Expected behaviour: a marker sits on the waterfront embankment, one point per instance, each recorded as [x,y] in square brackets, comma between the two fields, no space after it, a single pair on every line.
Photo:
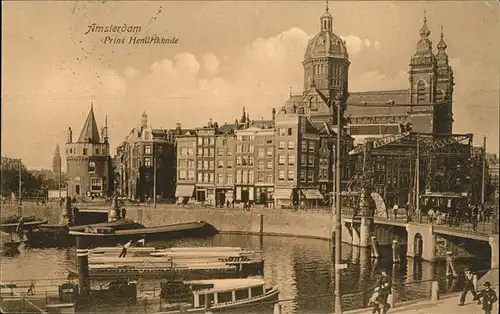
[304,223]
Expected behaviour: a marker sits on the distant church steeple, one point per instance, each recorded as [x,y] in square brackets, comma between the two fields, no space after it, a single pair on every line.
[56,161]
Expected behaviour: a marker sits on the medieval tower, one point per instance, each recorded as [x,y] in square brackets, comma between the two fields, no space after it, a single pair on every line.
[56,161]
[88,161]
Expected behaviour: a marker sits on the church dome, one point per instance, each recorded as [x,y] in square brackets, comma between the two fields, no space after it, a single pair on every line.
[326,44]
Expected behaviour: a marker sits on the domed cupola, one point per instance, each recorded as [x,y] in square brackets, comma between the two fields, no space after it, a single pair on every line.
[424,45]
[441,56]
[326,60]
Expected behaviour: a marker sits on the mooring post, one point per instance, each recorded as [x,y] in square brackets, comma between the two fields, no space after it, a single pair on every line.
[113,212]
[277,308]
[82,255]
[435,291]
[375,248]
[261,228]
[450,265]
[395,252]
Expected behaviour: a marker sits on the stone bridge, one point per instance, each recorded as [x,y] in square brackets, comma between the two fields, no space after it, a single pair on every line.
[429,240]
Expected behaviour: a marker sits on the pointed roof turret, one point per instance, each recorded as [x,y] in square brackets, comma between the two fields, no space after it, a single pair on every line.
[90,131]
[424,30]
[57,152]
[442,45]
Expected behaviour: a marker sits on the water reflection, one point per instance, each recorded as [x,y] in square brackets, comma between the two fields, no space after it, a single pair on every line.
[303,270]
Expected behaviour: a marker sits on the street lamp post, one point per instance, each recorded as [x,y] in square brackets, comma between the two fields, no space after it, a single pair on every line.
[154,176]
[338,211]
[483,178]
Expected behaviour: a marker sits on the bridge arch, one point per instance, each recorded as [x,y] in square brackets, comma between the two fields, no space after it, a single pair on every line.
[380,209]
[421,242]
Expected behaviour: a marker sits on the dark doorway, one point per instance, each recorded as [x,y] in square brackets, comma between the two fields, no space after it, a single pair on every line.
[77,189]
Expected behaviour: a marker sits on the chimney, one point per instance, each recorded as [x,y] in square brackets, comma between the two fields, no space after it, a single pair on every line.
[210,124]
[273,112]
[70,135]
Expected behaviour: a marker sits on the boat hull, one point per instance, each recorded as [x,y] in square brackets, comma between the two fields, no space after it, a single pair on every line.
[198,229]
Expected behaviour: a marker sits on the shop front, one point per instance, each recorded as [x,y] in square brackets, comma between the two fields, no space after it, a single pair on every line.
[283,197]
[311,197]
[245,195]
[205,194]
[224,197]
[264,195]
[184,193]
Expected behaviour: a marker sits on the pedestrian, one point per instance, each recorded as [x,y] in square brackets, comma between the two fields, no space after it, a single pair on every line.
[489,297]
[468,286]
[395,210]
[430,215]
[374,301]
[385,287]
[227,203]
[124,249]
[142,241]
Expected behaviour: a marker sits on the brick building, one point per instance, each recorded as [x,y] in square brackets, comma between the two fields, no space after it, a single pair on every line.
[135,158]
[89,165]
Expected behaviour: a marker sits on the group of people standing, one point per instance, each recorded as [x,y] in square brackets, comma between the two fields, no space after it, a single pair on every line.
[486,297]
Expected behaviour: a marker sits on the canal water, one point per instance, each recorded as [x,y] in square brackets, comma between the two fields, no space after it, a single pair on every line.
[303,269]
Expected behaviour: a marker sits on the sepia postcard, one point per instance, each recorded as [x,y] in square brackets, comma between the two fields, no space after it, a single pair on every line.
[250,157]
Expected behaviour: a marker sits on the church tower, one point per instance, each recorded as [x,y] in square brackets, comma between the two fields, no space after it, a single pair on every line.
[422,69]
[444,90]
[88,161]
[326,61]
[56,161]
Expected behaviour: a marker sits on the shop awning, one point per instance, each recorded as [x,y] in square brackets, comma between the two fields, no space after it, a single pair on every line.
[184,191]
[281,194]
[312,194]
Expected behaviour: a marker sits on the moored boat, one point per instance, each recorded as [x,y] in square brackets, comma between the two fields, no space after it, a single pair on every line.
[224,295]
[98,236]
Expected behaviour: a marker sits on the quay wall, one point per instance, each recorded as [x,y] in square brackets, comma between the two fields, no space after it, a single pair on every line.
[309,224]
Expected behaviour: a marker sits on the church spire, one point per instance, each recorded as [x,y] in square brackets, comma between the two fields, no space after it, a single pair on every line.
[424,30]
[442,45]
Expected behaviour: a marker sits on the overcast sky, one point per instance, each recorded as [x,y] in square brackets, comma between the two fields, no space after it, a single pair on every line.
[229,55]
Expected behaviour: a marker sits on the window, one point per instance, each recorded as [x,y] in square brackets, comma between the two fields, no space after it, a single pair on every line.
[200,151]
[211,164]
[238,148]
[281,175]
[311,160]
[420,91]
[220,164]
[244,160]
[245,176]
[281,159]
[182,163]
[190,174]
[251,148]
[250,161]
[229,179]
[261,177]
[85,151]
[269,165]
[269,178]
[261,165]
[211,177]
[211,152]
[291,160]
[205,152]
[205,177]
[200,164]
[223,297]
[250,177]
[183,151]
[245,148]
[310,175]
[190,163]
[229,164]
[302,176]
[304,145]
[303,160]
[238,176]
[261,153]
[147,149]
[269,152]
[281,132]
[212,140]
[290,131]
[281,145]
[97,151]
[190,151]
[146,135]
[220,151]
[147,161]
[291,145]
[200,140]
[205,141]
[182,174]
[311,146]
[91,166]
[159,148]
[96,184]
[291,175]
[229,152]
